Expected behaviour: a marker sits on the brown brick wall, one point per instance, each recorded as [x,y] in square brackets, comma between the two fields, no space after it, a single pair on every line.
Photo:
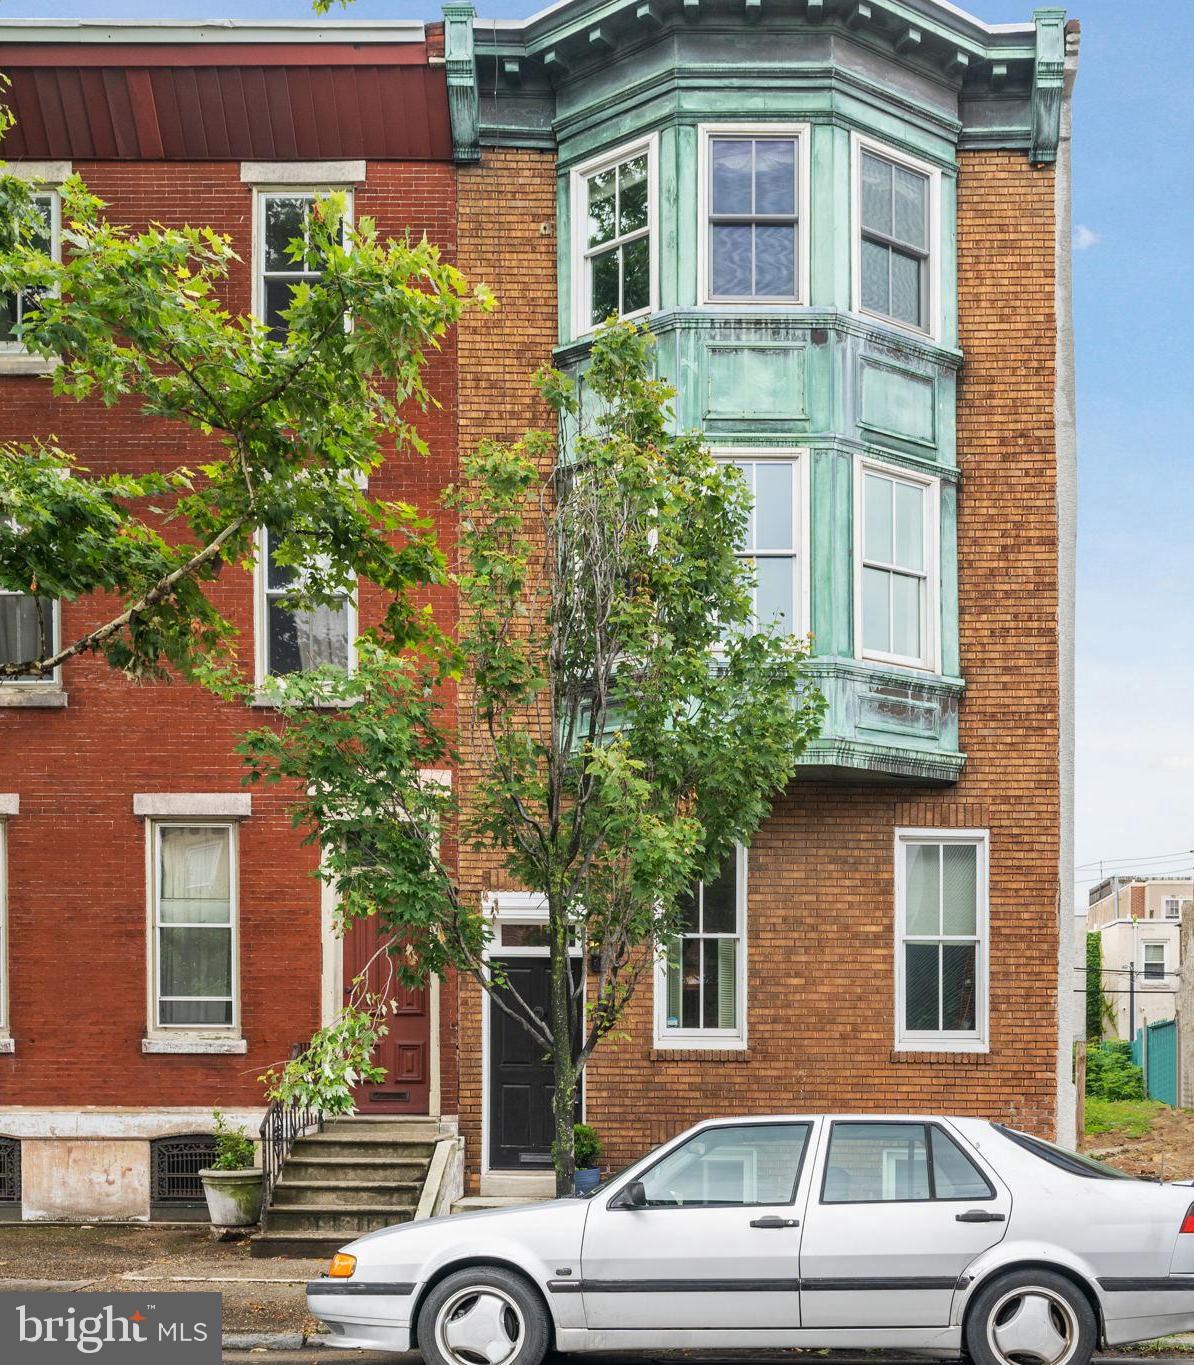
[821,901]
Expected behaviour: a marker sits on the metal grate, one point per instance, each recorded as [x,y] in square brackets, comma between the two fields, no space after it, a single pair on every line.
[175,1162]
[10,1178]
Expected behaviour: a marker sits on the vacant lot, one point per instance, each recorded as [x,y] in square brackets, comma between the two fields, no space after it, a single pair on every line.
[1141,1137]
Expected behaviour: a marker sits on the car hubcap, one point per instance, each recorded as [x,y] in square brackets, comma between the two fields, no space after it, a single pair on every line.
[481,1326]
[1033,1326]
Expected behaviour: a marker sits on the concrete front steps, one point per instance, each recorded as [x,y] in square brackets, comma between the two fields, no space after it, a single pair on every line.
[356,1175]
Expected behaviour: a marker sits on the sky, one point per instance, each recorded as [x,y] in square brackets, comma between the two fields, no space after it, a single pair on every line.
[1134,323]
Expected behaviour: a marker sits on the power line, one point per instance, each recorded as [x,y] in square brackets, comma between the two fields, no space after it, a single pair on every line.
[1120,862]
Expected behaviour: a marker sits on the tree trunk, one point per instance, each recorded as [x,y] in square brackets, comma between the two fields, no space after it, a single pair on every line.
[563,1062]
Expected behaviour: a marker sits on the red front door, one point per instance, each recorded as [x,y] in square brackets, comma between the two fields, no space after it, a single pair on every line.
[405,1051]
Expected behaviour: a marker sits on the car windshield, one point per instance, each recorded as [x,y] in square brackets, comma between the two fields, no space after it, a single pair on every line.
[1073,1162]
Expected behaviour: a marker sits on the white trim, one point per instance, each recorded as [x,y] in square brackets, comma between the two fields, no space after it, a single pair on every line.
[802,134]
[937,1041]
[197,805]
[800,457]
[581,295]
[15,350]
[195,1046]
[52,681]
[728,1040]
[858,144]
[930,660]
[48,173]
[294,190]
[192,1032]
[336,174]
[4,1019]
[211,31]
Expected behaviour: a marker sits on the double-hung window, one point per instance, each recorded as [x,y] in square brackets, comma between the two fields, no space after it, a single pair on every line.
[16,307]
[752,196]
[194,914]
[941,939]
[896,553]
[700,1000]
[28,631]
[1173,907]
[4,1019]
[297,639]
[283,217]
[773,536]
[1154,962]
[895,213]
[614,212]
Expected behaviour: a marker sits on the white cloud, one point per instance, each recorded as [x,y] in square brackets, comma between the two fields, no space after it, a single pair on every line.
[1085,238]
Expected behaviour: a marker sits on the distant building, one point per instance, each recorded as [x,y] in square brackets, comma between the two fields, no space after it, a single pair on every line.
[1140,919]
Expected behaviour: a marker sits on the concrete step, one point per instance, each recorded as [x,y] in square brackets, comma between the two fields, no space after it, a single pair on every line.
[337,1218]
[333,1169]
[321,1245]
[346,1193]
[353,1148]
[398,1129]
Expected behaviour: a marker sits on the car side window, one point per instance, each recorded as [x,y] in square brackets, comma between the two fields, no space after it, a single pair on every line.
[756,1163]
[880,1163]
[955,1176]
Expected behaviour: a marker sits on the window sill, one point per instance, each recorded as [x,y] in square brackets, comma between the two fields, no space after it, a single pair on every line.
[973,1054]
[46,695]
[8,1045]
[18,362]
[274,701]
[688,1052]
[208,1047]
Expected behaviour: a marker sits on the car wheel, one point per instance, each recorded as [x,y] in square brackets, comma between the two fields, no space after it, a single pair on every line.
[483,1315]
[1031,1317]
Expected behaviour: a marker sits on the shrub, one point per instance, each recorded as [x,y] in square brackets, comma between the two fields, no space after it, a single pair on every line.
[235,1149]
[1111,1074]
[587,1146]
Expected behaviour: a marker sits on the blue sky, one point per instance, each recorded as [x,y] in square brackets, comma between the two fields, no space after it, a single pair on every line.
[1134,306]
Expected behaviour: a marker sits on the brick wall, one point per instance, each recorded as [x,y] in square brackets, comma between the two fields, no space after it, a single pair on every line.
[76,854]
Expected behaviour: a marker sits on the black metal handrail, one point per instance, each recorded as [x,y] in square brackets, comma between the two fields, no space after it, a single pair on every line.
[283,1123]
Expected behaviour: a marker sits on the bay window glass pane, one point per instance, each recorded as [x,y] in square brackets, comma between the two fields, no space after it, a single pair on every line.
[775,260]
[905,616]
[721,900]
[636,275]
[876,194]
[959,887]
[604,285]
[603,189]
[775,176]
[876,610]
[690,1008]
[922,889]
[906,288]
[193,874]
[731,267]
[909,526]
[922,986]
[195,961]
[911,198]
[731,175]
[876,285]
[775,595]
[876,512]
[26,628]
[632,195]
[958,1012]
[773,506]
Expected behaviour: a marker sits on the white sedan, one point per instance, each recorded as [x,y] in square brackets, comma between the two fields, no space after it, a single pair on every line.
[903,1232]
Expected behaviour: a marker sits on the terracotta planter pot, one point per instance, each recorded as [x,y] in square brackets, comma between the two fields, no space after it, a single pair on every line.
[233,1197]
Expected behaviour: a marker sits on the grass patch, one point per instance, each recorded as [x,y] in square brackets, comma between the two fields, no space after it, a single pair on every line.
[1132,1118]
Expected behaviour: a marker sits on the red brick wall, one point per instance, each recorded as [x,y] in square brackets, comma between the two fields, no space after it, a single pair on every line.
[76,854]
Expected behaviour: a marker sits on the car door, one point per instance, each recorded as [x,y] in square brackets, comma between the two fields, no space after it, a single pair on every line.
[716,1242]
[898,1210]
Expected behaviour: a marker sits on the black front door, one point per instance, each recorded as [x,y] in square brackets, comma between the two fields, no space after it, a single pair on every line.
[521,1084]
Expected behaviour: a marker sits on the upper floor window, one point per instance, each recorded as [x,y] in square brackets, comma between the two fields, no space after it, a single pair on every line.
[704,969]
[752,195]
[941,939]
[1173,907]
[773,539]
[895,212]
[297,639]
[283,217]
[1154,961]
[15,308]
[896,555]
[28,630]
[614,213]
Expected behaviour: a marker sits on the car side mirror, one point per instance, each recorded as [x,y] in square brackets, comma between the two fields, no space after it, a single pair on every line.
[632,1196]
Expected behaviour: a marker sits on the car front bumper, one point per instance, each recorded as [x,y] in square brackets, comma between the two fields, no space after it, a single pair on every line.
[363,1315]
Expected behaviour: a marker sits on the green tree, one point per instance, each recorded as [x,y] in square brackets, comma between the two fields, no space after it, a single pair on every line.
[628,719]
[289,427]
[1095,999]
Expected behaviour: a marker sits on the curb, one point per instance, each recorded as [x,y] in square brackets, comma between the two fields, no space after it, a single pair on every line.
[267,1341]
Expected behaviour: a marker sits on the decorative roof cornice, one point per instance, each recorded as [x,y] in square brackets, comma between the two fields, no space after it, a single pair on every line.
[461,66]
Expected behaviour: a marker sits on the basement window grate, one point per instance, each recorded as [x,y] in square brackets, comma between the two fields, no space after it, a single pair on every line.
[176,1191]
[10,1178]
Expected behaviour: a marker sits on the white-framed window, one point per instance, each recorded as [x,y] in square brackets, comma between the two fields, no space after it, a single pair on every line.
[15,307]
[1173,907]
[193,883]
[613,236]
[942,937]
[776,539]
[29,629]
[1154,962]
[280,216]
[700,988]
[897,215]
[754,213]
[297,639]
[896,518]
[4,1006]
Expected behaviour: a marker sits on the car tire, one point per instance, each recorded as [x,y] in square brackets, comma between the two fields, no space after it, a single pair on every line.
[1031,1317]
[483,1315]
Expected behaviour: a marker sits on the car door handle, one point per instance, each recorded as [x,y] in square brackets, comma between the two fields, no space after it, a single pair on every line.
[772,1220]
[981,1216]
